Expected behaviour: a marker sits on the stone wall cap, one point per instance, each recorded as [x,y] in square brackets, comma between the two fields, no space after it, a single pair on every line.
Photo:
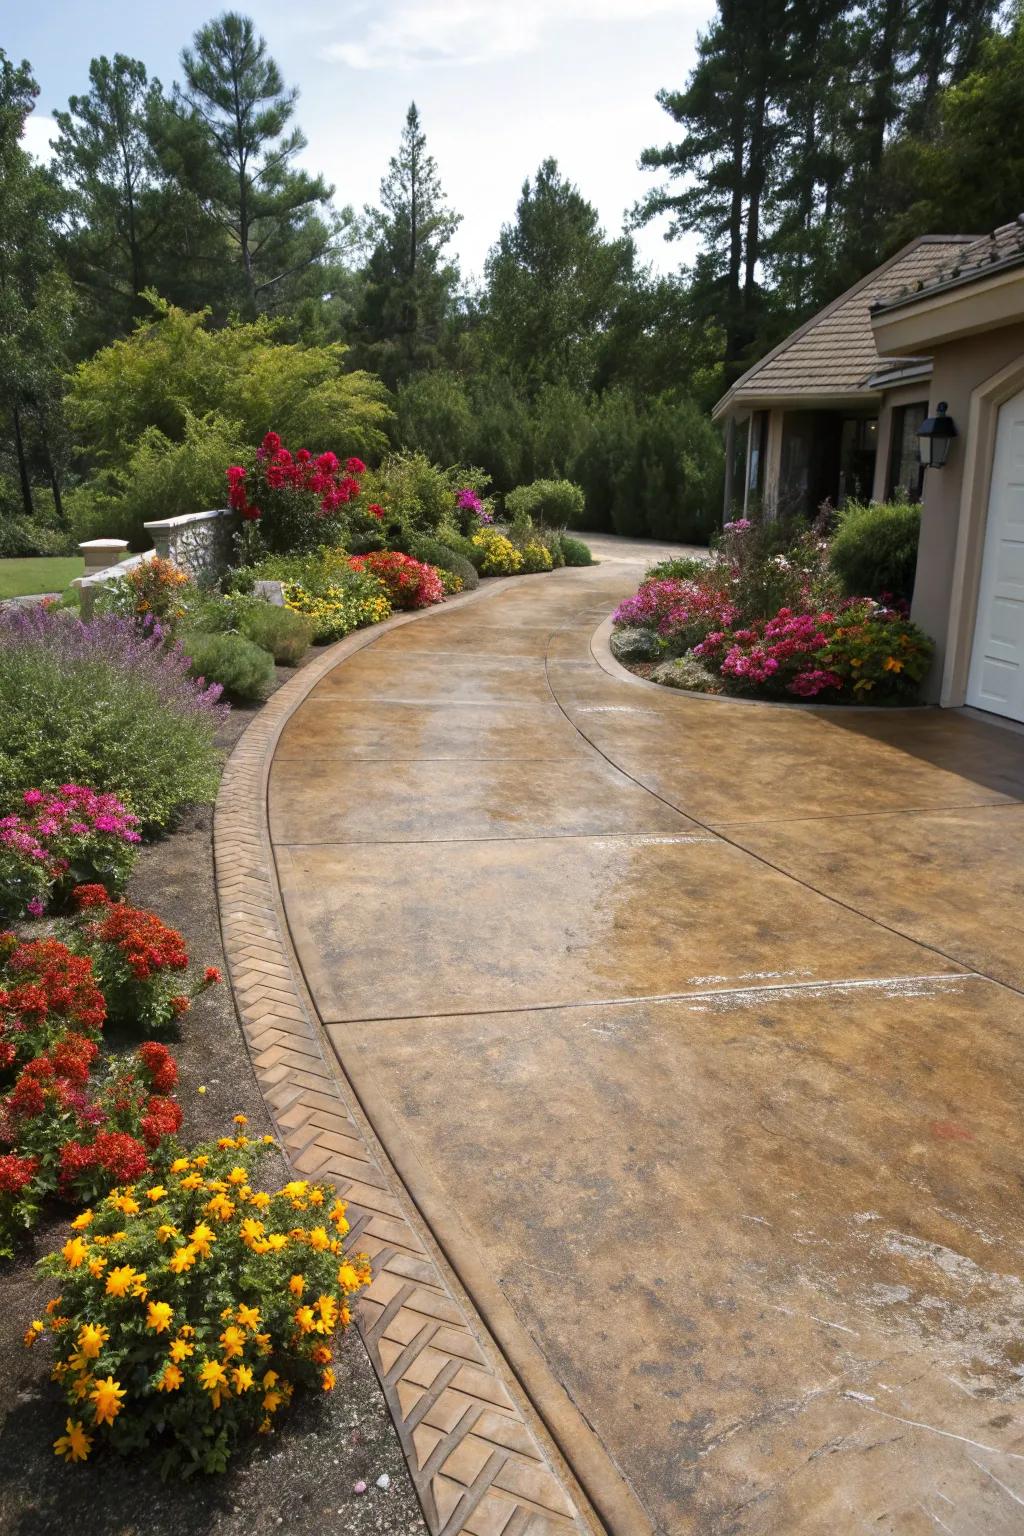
[103,544]
[189,517]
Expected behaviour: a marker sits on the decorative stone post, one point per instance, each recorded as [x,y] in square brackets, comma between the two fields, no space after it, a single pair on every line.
[99,553]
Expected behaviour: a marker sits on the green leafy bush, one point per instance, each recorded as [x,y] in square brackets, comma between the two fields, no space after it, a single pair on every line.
[285,634]
[433,552]
[575,552]
[682,568]
[557,502]
[244,670]
[22,539]
[874,549]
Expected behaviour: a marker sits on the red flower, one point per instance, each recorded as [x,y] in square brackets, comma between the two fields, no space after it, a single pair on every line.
[16,1173]
[124,1158]
[271,443]
[73,1056]
[180,1004]
[375,509]
[75,1160]
[355,466]
[162,1118]
[90,896]
[159,1065]
[211,975]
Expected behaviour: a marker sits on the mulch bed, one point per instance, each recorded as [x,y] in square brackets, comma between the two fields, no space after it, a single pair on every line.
[299,1480]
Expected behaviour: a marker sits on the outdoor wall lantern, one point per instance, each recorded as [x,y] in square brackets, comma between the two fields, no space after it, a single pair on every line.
[935,436]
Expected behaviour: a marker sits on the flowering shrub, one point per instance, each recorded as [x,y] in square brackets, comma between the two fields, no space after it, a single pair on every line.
[152,589]
[536,556]
[74,1130]
[104,703]
[877,653]
[295,498]
[46,992]
[62,838]
[682,612]
[500,556]
[339,607]
[139,963]
[408,583]
[472,507]
[189,1311]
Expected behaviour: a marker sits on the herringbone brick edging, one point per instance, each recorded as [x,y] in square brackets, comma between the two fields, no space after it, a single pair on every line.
[475,1458]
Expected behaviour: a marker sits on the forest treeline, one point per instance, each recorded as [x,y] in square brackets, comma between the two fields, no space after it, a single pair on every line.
[811,139]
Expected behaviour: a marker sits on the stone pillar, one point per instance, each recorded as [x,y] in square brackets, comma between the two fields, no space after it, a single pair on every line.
[99,553]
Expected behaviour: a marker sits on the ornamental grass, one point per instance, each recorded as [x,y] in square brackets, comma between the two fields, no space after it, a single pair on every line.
[190,1309]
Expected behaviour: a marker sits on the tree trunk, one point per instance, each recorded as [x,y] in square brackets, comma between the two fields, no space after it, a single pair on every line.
[26,484]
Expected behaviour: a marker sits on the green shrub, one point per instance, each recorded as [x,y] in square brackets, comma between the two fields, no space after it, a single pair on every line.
[575,552]
[684,568]
[244,670]
[22,539]
[874,549]
[286,635]
[431,551]
[557,502]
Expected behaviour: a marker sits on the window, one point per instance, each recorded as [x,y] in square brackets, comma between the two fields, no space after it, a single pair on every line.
[906,472]
[858,444]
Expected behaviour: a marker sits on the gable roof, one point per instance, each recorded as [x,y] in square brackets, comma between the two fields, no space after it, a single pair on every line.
[833,355]
[996,252]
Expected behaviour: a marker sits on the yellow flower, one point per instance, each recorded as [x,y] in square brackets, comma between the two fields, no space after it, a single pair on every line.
[221,1207]
[202,1237]
[53,1304]
[226,1143]
[348,1276]
[201,1161]
[327,1380]
[242,1378]
[158,1316]
[180,1165]
[328,1309]
[126,1204]
[319,1240]
[75,1252]
[233,1340]
[192,1181]
[251,1230]
[305,1319]
[106,1396]
[276,1241]
[121,1280]
[75,1444]
[91,1339]
[249,1317]
[241,1119]
[96,1267]
[296,1190]
[171,1379]
[322,1355]
[156,1193]
[181,1259]
[165,1231]
[214,1380]
[33,1331]
[892,665]
[237,1176]
[180,1350]
[81,1386]
[316,1195]
[81,1222]
[265,1427]
[262,1342]
[260,1199]
[272,1401]
[201,1088]
[268,1141]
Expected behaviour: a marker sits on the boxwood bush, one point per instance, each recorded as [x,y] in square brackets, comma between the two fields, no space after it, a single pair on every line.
[244,670]
[434,552]
[286,635]
[575,552]
[874,549]
[558,503]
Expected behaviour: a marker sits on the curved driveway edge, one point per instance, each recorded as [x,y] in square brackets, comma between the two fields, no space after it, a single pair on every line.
[478,1457]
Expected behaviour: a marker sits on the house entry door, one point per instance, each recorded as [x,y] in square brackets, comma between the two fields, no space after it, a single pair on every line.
[996,678]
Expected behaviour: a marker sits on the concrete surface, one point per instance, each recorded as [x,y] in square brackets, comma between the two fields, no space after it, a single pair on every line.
[704,1020]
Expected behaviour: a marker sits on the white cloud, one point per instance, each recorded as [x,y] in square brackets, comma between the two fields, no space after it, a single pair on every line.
[412,34]
[36,136]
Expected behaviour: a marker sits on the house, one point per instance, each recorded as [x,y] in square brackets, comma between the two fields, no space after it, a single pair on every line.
[966,318]
[821,417]
[834,412]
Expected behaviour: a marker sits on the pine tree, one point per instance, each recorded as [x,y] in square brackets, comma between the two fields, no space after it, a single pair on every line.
[231,144]
[554,282]
[410,282]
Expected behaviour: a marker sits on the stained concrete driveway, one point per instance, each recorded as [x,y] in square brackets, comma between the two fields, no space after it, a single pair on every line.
[703,1022]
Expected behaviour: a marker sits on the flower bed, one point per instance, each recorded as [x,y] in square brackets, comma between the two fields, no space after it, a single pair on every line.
[769,623]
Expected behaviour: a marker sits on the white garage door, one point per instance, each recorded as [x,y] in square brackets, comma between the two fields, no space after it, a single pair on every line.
[996,679]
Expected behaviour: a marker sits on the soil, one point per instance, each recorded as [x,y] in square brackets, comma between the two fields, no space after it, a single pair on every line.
[301,1479]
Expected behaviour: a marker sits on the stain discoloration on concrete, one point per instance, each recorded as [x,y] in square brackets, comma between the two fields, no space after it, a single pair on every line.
[728,1110]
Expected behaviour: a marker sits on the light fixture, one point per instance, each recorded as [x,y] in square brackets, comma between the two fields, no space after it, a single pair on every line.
[935,436]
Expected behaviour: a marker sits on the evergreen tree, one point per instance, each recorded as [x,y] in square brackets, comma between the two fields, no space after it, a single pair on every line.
[35,299]
[554,282]
[232,146]
[410,282]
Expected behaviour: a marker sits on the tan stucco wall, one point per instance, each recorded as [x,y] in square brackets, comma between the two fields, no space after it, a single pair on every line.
[959,369]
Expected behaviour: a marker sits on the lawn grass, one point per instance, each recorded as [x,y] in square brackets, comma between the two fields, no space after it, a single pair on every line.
[23,578]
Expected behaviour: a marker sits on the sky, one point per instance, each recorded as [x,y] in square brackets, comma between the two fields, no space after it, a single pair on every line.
[500,85]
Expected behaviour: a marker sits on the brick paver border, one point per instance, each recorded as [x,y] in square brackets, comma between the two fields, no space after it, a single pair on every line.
[480,1459]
